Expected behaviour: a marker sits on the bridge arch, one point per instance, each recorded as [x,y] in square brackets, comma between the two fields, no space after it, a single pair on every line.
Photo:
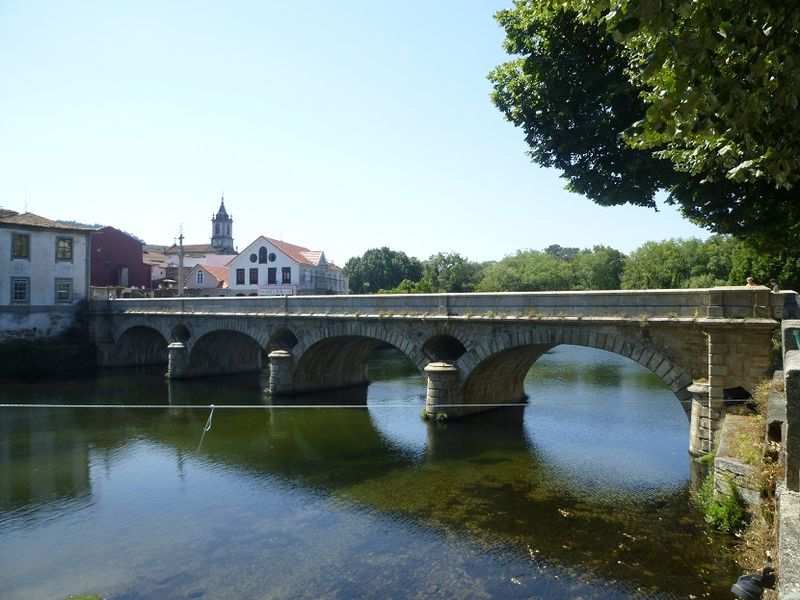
[336,355]
[139,345]
[161,327]
[495,370]
[283,338]
[356,329]
[224,351]
[444,347]
[202,327]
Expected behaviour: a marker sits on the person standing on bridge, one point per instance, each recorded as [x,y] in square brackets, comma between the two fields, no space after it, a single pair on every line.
[751,283]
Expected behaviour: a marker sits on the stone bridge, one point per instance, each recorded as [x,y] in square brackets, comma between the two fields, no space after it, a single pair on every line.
[474,349]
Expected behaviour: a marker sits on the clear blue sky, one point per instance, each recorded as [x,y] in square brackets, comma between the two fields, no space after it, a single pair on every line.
[340,126]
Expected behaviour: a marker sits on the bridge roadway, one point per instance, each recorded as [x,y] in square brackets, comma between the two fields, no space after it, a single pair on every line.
[474,349]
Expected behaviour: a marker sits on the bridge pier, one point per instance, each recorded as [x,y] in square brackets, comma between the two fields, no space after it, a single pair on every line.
[443,389]
[178,360]
[281,372]
[704,420]
[737,359]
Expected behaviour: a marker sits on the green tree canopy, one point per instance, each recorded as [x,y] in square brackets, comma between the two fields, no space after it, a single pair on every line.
[721,79]
[598,269]
[680,263]
[583,87]
[527,271]
[449,272]
[720,260]
[380,269]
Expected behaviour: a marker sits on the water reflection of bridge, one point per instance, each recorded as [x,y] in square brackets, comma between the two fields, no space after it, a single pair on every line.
[474,478]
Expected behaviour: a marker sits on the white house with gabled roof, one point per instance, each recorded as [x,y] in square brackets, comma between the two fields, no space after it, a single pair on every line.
[208,280]
[273,267]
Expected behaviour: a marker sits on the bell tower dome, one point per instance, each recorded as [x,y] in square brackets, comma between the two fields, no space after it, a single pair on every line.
[222,230]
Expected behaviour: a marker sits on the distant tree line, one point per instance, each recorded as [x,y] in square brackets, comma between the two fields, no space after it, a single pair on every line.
[674,263]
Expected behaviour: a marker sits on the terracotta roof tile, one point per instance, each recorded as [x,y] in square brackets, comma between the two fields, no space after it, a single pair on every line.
[219,273]
[32,220]
[298,254]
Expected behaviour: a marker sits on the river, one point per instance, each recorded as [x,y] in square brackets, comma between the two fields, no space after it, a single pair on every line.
[119,484]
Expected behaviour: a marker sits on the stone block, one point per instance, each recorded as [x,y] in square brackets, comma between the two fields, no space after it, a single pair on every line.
[683,381]
[646,357]
[655,361]
[791,370]
[663,368]
[672,376]
[717,370]
[788,544]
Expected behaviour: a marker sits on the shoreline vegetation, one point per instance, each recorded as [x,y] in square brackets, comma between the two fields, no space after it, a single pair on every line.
[751,527]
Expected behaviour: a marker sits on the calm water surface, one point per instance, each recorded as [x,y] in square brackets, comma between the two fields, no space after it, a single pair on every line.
[581,493]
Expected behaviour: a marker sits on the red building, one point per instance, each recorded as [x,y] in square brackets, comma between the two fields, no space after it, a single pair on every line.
[117,259]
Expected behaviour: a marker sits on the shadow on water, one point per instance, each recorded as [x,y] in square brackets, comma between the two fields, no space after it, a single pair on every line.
[501,482]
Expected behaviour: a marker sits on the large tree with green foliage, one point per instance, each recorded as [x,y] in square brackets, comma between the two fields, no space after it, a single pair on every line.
[527,271]
[584,87]
[449,272]
[721,80]
[443,272]
[598,269]
[380,269]
[679,263]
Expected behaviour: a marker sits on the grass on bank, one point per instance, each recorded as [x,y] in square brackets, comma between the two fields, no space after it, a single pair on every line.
[752,526]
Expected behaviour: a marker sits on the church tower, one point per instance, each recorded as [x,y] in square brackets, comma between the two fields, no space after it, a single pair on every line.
[222,230]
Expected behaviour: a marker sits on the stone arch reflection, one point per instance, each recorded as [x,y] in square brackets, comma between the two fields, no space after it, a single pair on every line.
[589,407]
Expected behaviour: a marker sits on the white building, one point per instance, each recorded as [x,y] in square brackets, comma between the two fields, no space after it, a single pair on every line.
[274,267]
[207,280]
[43,275]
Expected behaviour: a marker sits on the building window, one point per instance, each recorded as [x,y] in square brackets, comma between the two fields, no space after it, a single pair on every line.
[122,275]
[20,245]
[20,290]
[254,276]
[64,291]
[239,276]
[63,248]
[262,255]
[272,275]
[286,275]
[199,277]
